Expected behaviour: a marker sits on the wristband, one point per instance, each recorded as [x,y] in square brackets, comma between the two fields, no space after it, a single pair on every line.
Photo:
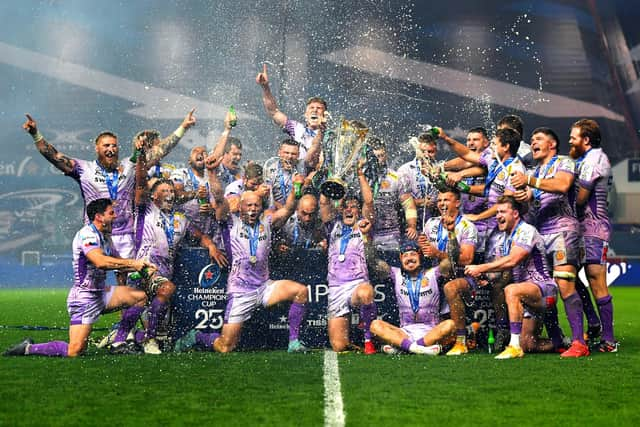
[537,183]
[179,132]
[37,137]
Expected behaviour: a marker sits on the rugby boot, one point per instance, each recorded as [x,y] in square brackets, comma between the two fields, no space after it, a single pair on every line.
[389,349]
[124,347]
[511,352]
[185,342]
[150,346]
[458,350]
[369,348]
[592,336]
[296,346]
[19,349]
[429,350]
[608,347]
[577,349]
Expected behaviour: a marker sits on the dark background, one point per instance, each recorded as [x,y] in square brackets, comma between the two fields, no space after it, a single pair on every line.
[80,67]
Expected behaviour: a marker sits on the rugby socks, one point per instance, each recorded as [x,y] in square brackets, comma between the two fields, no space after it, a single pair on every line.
[587,304]
[157,311]
[605,307]
[573,308]
[552,324]
[516,330]
[406,344]
[461,336]
[296,314]
[51,349]
[129,318]
[421,342]
[368,313]
[206,340]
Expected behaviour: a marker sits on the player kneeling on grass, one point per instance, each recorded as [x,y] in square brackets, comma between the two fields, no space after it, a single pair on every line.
[533,289]
[418,297]
[93,254]
[161,229]
[247,236]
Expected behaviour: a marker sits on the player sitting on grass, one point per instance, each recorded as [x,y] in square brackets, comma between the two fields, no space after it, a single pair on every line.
[418,297]
[93,253]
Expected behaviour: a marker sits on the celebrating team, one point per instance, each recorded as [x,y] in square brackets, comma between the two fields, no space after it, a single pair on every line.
[527,220]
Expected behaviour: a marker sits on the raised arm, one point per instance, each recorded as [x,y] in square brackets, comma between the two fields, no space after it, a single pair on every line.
[313,153]
[218,150]
[141,174]
[281,215]
[167,144]
[57,159]
[460,149]
[367,194]
[268,100]
[215,188]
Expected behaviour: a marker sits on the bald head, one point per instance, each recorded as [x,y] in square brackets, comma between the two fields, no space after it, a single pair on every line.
[307,209]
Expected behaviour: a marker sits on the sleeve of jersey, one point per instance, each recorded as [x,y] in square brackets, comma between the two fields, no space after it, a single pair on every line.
[524,238]
[290,127]
[589,174]
[486,157]
[566,164]
[469,234]
[90,241]
[78,168]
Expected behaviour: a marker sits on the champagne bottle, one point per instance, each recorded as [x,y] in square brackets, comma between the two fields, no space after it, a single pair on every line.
[142,274]
[234,119]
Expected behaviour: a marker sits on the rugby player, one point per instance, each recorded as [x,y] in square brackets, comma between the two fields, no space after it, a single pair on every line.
[418,183]
[548,189]
[389,194]
[93,254]
[418,298]
[348,276]
[247,237]
[107,177]
[594,179]
[160,230]
[446,236]
[532,291]
[303,134]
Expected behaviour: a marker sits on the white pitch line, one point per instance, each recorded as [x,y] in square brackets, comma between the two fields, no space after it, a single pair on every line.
[333,408]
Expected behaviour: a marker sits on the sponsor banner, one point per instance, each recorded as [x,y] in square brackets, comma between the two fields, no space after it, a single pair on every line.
[200,301]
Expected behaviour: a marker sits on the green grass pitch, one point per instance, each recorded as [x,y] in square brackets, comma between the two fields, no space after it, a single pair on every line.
[275,388]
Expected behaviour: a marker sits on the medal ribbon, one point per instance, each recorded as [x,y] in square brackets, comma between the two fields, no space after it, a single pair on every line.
[443,237]
[536,191]
[111,179]
[507,244]
[493,172]
[253,234]
[344,239]
[169,228]
[413,288]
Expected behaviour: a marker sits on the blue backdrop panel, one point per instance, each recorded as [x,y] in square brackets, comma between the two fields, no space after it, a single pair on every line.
[200,300]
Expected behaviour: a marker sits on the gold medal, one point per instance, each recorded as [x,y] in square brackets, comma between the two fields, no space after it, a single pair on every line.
[341,257]
[253,259]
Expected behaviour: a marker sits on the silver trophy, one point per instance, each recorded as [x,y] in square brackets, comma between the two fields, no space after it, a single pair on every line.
[343,149]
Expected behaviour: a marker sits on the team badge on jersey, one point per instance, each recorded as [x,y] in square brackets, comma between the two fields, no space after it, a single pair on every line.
[560,256]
